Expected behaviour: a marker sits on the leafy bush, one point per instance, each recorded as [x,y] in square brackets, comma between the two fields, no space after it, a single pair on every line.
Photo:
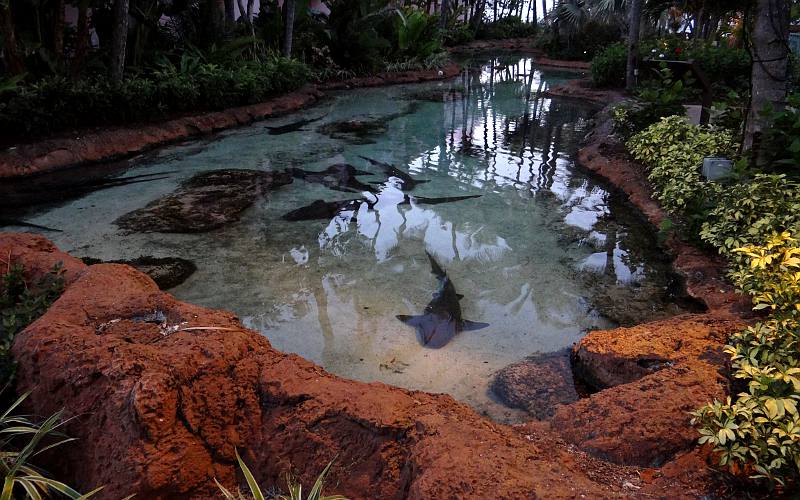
[21,305]
[295,488]
[506,27]
[458,34]
[582,43]
[23,440]
[780,146]
[361,33]
[659,99]
[609,66]
[58,104]
[727,68]
[758,434]
[417,34]
[673,151]
[747,213]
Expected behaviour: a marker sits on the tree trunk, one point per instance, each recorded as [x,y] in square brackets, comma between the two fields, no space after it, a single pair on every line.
[769,80]
[14,62]
[119,40]
[477,18]
[230,12]
[58,30]
[81,38]
[443,17]
[635,21]
[288,32]
[544,8]
[250,12]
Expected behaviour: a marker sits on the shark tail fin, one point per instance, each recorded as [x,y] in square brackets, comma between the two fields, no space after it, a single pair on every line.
[409,320]
[469,326]
[436,269]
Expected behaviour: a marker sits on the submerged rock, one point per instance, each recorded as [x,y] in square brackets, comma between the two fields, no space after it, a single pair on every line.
[355,131]
[167,272]
[363,130]
[536,384]
[206,201]
[438,94]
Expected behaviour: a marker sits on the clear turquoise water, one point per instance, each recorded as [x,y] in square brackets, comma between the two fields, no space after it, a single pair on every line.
[545,253]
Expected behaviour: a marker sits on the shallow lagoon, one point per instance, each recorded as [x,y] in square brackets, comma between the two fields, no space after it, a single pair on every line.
[543,255]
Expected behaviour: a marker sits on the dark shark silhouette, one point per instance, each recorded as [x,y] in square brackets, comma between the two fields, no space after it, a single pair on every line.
[340,177]
[292,127]
[423,200]
[22,223]
[321,209]
[441,320]
[408,182]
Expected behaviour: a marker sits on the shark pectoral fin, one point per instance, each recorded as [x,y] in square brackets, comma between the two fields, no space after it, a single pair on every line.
[459,296]
[409,320]
[468,326]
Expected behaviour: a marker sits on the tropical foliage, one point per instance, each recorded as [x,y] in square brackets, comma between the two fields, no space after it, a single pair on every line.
[21,303]
[295,488]
[673,151]
[22,441]
[757,434]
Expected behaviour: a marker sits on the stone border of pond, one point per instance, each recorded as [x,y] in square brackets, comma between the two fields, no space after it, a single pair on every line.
[94,146]
[162,392]
[105,145]
[154,401]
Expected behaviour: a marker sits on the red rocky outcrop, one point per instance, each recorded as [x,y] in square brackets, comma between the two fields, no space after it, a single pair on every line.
[162,392]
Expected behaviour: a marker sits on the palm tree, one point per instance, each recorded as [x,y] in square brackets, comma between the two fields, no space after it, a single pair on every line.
[770,71]
[288,31]
[13,59]
[119,40]
[634,23]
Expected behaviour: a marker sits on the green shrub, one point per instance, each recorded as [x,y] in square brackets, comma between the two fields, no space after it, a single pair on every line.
[727,68]
[506,27]
[417,34]
[658,99]
[758,433]
[609,66]
[582,43]
[56,104]
[458,34]
[673,150]
[21,305]
[747,213]
[780,146]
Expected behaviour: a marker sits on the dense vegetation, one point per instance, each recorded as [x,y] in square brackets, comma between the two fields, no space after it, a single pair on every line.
[751,216]
[21,303]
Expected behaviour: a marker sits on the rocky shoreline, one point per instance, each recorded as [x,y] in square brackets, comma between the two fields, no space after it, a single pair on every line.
[115,143]
[163,392]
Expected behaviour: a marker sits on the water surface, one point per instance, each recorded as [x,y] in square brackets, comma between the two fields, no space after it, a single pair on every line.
[543,255]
